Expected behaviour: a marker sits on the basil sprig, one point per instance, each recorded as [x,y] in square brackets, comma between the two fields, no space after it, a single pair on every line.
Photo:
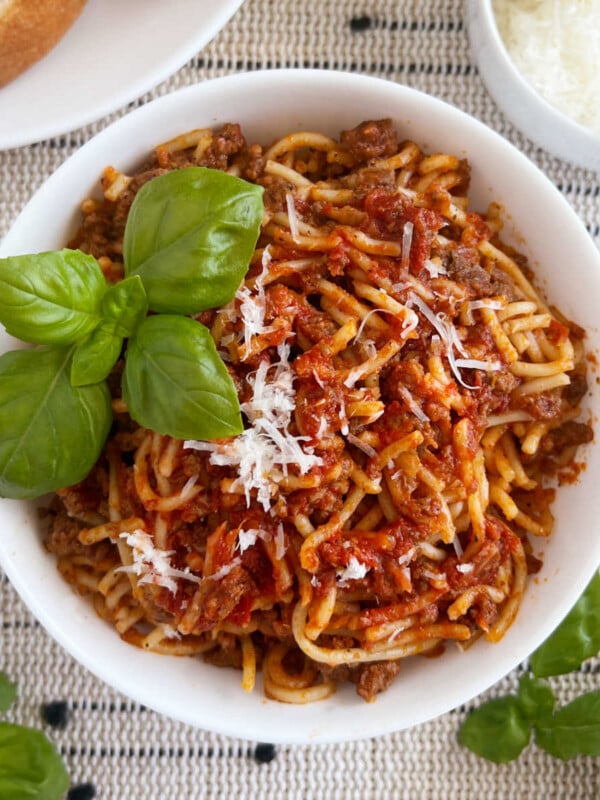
[30,766]
[501,728]
[188,241]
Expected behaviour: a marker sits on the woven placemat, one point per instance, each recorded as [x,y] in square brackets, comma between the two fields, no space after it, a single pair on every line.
[114,748]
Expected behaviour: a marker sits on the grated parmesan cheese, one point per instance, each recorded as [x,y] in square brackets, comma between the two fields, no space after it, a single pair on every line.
[407,237]
[151,564]
[280,547]
[355,571]
[225,569]
[555,44]
[264,451]
[248,538]
[292,216]
[366,448]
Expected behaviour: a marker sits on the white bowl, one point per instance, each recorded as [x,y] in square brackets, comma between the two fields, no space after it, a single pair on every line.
[269,104]
[528,110]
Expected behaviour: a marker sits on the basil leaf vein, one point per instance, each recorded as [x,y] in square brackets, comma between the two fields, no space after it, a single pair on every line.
[190,235]
[51,298]
[175,383]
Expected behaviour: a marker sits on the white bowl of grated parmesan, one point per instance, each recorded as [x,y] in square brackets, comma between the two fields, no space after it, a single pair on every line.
[540,60]
[538,221]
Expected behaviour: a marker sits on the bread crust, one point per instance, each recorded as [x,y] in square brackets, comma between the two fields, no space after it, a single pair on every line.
[31,28]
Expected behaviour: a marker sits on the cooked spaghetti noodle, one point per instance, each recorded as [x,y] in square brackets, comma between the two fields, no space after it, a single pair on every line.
[405,390]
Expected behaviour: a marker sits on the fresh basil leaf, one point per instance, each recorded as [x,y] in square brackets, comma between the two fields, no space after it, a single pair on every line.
[574,730]
[496,730]
[51,298]
[536,699]
[94,358]
[8,692]
[575,639]
[190,235]
[126,304]
[51,433]
[175,383]
[30,767]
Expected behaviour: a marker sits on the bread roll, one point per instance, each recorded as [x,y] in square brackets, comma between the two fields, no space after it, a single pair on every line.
[29,29]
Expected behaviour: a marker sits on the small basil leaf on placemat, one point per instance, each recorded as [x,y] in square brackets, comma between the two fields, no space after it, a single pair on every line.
[51,433]
[576,638]
[30,767]
[536,699]
[574,730]
[51,298]
[190,235]
[175,382]
[497,730]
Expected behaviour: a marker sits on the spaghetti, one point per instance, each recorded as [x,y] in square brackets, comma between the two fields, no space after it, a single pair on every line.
[406,392]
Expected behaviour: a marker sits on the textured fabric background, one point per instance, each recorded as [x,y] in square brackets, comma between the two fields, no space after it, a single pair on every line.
[116,749]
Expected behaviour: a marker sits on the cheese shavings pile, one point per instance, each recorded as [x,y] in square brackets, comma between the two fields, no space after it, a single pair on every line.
[152,565]
[263,453]
[555,44]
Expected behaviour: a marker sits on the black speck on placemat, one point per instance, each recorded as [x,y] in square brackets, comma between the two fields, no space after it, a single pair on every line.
[360,23]
[85,791]
[264,753]
[56,713]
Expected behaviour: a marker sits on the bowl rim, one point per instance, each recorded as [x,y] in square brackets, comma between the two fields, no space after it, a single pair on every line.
[302,730]
[497,66]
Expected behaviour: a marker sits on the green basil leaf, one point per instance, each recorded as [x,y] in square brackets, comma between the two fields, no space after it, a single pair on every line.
[30,767]
[190,235]
[126,304]
[8,692]
[94,358]
[574,730]
[575,639]
[175,383]
[51,298]
[496,730]
[51,433]
[536,699]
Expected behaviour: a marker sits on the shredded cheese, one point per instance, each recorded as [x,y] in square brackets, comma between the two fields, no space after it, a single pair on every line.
[248,538]
[366,448]
[225,569]
[451,341]
[264,451]
[355,571]
[292,216]
[151,564]
[407,237]
[555,44]
[280,547]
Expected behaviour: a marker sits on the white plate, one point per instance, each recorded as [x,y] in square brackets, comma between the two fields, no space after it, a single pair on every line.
[115,51]
[269,104]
